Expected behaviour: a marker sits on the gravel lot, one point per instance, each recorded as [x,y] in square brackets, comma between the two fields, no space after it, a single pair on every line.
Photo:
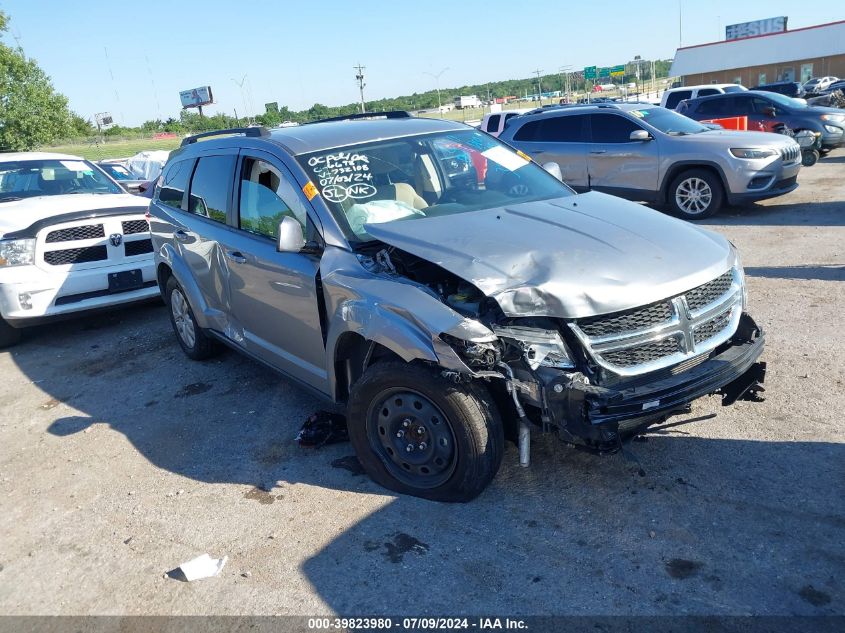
[120,459]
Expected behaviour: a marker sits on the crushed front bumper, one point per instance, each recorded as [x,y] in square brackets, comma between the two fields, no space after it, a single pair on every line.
[593,415]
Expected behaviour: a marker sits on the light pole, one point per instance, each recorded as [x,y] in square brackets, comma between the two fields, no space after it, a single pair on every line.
[360,78]
[539,86]
[437,86]
[240,84]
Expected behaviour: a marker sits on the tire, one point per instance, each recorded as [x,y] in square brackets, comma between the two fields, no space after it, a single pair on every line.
[810,158]
[455,431]
[9,335]
[682,199]
[193,341]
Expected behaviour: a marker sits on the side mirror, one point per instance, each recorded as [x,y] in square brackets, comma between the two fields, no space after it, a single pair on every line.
[769,111]
[554,169]
[640,135]
[291,237]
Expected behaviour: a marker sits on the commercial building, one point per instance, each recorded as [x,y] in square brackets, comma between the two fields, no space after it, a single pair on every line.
[797,55]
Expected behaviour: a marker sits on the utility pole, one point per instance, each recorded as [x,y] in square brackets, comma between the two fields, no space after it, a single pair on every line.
[680,25]
[240,84]
[539,86]
[360,78]
[566,80]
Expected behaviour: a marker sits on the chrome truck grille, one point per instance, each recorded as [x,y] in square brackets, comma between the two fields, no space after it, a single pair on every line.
[790,154]
[89,244]
[666,332]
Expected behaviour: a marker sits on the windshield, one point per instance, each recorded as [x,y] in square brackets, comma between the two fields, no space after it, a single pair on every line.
[787,102]
[669,121]
[30,178]
[425,175]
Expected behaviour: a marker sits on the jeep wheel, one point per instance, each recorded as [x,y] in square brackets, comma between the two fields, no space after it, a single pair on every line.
[194,342]
[695,194]
[419,434]
[8,335]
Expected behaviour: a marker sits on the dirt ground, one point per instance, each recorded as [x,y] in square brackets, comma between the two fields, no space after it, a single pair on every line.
[121,459]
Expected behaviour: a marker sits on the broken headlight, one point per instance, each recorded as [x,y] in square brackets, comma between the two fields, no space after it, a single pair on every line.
[541,348]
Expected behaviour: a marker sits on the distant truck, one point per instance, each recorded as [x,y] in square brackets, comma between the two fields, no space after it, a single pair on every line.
[470,101]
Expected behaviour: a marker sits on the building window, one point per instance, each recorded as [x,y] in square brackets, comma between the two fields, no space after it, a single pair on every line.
[788,74]
[761,79]
[738,80]
[806,72]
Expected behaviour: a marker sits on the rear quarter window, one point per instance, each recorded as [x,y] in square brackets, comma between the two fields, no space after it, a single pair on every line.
[174,182]
[676,97]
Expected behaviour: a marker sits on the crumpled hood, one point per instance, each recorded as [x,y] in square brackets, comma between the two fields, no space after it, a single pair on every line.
[568,257]
[19,214]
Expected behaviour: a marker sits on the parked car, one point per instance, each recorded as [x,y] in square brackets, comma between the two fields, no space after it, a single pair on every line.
[818,84]
[444,312]
[649,153]
[761,107]
[70,240]
[121,174]
[788,88]
[673,96]
[494,122]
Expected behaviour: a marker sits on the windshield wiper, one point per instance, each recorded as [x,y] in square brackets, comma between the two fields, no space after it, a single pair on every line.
[11,199]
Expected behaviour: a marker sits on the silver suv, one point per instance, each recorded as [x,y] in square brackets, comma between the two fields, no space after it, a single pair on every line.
[449,290]
[649,153]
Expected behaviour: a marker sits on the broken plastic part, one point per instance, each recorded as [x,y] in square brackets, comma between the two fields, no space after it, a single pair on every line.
[200,567]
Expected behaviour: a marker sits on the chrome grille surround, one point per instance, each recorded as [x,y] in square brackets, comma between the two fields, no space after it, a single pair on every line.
[790,154]
[699,320]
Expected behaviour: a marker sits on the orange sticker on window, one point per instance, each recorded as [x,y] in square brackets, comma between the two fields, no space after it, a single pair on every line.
[523,155]
[309,190]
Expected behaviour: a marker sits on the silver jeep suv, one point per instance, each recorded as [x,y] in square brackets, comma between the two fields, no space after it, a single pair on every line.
[449,290]
[649,153]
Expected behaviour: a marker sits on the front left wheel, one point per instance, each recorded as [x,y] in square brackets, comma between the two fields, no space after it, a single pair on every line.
[418,433]
[696,194]
[192,339]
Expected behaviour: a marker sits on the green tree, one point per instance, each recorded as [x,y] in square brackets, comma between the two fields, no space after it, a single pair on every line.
[32,113]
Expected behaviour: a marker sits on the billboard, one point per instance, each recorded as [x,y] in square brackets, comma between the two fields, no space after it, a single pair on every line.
[757,27]
[196,97]
[104,120]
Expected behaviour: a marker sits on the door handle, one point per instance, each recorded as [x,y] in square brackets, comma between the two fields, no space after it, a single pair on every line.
[235,256]
[599,151]
[180,235]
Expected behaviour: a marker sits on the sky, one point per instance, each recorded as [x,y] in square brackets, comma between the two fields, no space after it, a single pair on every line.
[133,58]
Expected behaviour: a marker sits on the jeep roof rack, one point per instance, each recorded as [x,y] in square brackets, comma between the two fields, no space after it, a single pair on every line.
[255,131]
[390,114]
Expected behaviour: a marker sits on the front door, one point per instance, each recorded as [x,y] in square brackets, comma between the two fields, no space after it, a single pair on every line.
[274,298]
[617,164]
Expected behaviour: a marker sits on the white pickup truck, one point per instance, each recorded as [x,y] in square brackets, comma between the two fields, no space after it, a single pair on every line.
[494,122]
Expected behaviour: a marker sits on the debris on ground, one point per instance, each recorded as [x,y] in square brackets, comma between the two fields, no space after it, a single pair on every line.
[350,463]
[323,428]
[200,567]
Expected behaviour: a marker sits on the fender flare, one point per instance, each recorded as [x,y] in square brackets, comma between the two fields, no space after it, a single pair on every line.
[206,317]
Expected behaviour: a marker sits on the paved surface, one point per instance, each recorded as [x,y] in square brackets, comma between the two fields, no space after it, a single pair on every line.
[120,459]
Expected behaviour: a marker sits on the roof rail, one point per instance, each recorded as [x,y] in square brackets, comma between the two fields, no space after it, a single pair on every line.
[246,131]
[391,114]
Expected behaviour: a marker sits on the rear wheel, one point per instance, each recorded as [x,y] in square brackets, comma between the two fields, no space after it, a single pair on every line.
[8,335]
[419,434]
[193,341]
[695,194]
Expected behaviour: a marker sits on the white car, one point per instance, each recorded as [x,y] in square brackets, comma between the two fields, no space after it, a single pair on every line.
[817,84]
[70,240]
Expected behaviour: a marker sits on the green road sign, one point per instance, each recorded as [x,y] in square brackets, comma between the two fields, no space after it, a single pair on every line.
[589,72]
[604,71]
[617,71]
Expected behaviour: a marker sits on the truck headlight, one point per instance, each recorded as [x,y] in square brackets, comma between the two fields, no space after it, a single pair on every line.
[17,252]
[752,153]
[836,118]
[540,347]
[832,129]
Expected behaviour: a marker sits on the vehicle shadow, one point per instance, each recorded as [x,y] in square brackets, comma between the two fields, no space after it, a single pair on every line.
[819,272]
[710,525]
[785,214]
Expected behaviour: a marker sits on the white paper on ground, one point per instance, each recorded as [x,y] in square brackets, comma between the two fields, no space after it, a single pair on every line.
[202,567]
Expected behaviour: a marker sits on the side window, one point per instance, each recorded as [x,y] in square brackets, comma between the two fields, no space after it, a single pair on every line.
[760,104]
[706,92]
[676,97]
[261,207]
[174,182]
[493,122]
[528,132]
[564,129]
[712,107]
[742,105]
[209,194]
[611,128]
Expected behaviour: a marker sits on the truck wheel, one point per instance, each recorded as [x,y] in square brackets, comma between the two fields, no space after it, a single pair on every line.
[419,434]
[192,339]
[809,157]
[8,335]
[695,194]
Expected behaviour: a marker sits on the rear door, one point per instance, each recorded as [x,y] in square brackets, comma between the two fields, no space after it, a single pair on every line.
[275,296]
[617,164]
[559,139]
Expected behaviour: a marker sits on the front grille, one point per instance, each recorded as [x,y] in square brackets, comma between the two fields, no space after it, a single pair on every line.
[86,232]
[790,154]
[76,255]
[706,294]
[647,353]
[639,319]
[135,226]
[711,328]
[138,247]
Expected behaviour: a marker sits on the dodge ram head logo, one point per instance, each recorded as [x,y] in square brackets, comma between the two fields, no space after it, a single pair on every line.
[115,239]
